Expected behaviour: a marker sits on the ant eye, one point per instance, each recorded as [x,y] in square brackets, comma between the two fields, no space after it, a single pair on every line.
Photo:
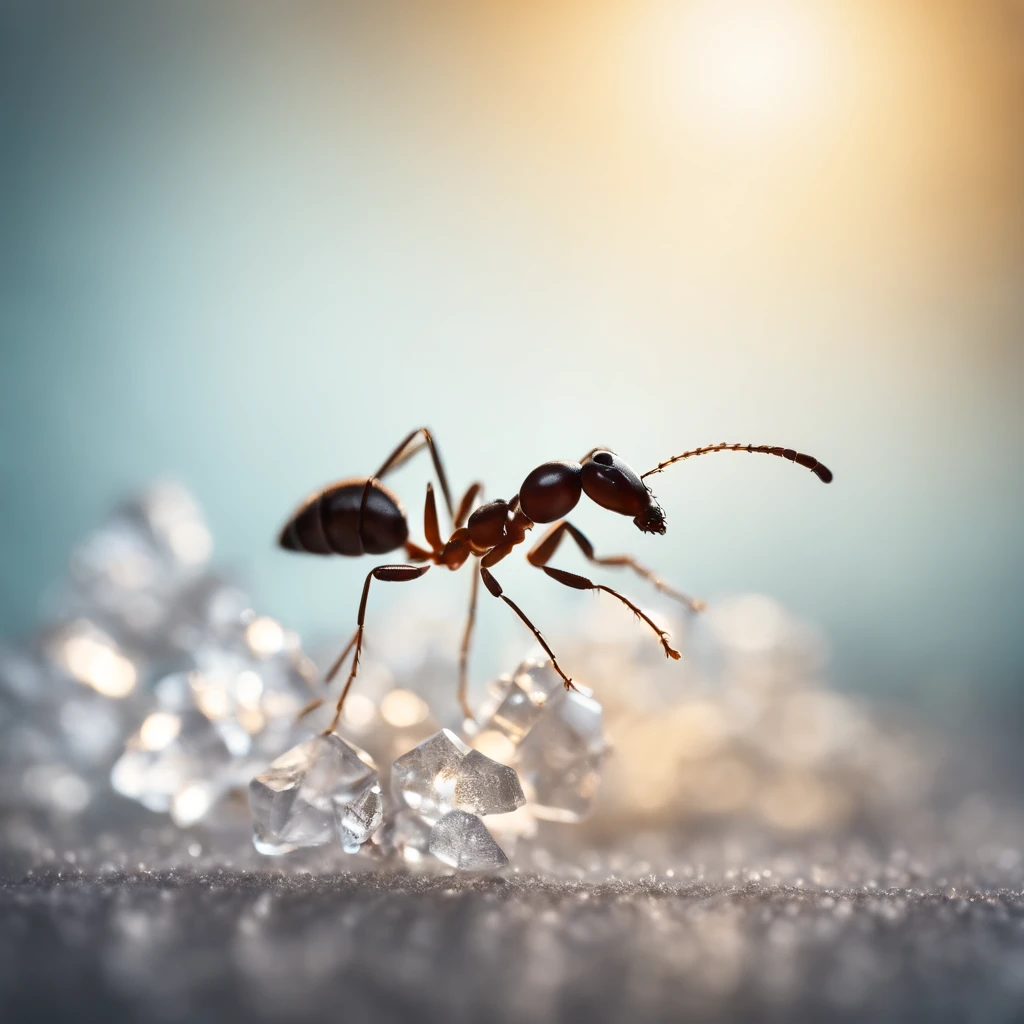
[615,485]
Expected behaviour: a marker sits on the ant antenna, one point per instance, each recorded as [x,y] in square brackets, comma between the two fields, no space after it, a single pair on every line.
[823,473]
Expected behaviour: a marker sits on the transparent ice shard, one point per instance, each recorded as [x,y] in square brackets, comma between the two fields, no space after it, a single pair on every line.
[443,774]
[539,680]
[559,759]
[357,821]
[303,798]
[407,836]
[516,703]
[424,779]
[461,840]
[515,714]
[483,786]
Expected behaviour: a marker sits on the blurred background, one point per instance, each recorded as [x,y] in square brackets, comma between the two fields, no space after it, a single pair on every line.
[250,250]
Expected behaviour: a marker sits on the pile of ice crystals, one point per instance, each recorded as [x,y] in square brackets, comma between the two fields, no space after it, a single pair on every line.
[134,722]
[153,675]
[544,739]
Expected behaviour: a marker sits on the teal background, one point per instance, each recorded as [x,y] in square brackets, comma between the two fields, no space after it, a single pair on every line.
[250,250]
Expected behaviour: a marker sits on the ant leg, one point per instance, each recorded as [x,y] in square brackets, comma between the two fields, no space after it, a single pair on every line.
[387,574]
[467,637]
[315,703]
[543,551]
[570,579]
[497,553]
[431,529]
[416,554]
[399,457]
[466,504]
[337,663]
[495,589]
[404,452]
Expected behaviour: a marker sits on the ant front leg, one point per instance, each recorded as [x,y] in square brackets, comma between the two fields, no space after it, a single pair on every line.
[387,574]
[544,550]
[467,503]
[431,530]
[494,588]
[570,579]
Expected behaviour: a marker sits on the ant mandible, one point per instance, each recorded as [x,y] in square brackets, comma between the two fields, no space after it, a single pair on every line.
[361,516]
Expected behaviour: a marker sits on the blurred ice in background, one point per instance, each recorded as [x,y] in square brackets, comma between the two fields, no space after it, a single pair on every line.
[252,249]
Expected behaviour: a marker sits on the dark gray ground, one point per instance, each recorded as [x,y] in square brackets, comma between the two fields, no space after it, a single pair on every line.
[177,946]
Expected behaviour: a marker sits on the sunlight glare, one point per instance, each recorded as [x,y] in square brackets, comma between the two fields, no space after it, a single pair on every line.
[745,63]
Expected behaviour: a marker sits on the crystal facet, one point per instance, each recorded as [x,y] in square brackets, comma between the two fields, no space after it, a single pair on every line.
[484,786]
[560,758]
[461,840]
[553,738]
[424,779]
[304,797]
[407,836]
[516,713]
[358,820]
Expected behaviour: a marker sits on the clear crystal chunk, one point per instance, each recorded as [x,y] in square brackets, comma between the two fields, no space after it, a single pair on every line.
[407,836]
[539,680]
[358,820]
[516,703]
[424,779]
[305,797]
[461,840]
[443,774]
[560,758]
[483,786]
[515,714]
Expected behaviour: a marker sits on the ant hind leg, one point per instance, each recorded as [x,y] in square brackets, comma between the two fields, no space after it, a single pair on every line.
[544,550]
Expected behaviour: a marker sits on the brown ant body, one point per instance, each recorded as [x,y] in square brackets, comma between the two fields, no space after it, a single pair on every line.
[361,516]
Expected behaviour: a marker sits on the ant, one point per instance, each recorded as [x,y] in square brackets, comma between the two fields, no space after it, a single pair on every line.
[361,516]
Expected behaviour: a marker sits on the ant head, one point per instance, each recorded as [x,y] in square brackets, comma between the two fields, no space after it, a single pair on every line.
[615,485]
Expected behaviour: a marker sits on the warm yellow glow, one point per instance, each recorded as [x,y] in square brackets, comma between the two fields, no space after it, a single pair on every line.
[699,728]
[403,708]
[495,745]
[265,636]
[721,785]
[803,801]
[96,662]
[158,730]
[210,695]
[252,720]
[359,711]
[742,62]
[191,803]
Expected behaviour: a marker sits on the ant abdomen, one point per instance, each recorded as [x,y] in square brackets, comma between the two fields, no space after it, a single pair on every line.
[329,523]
